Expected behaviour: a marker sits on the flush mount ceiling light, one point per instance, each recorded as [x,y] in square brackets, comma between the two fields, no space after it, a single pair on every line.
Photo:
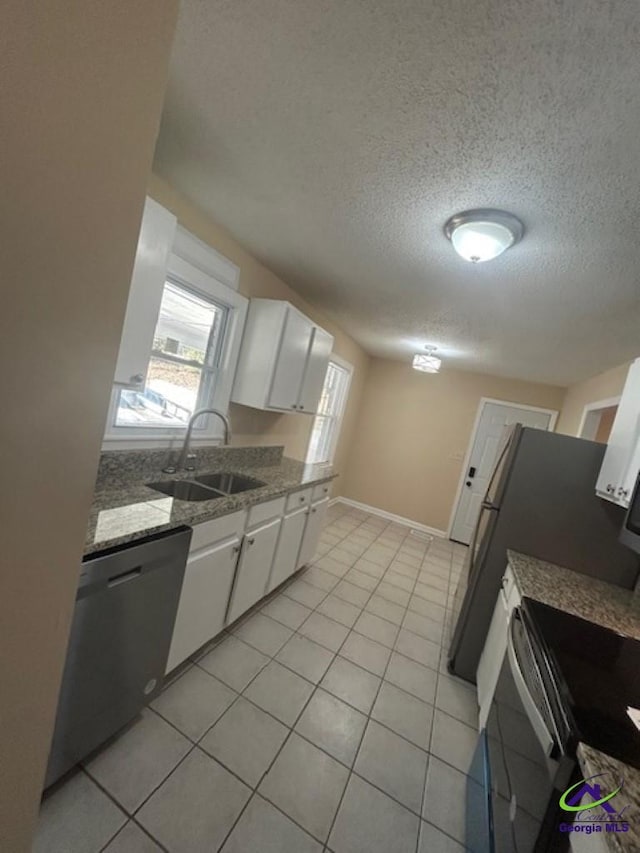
[483,234]
[427,362]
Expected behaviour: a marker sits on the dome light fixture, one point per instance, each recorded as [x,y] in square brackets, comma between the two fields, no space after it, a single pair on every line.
[483,234]
[427,362]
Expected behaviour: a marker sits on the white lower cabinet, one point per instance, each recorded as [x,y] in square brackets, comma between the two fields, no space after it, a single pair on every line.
[254,567]
[315,523]
[235,560]
[285,561]
[203,601]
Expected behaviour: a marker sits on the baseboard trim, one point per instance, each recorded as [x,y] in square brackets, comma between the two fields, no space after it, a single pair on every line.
[390,516]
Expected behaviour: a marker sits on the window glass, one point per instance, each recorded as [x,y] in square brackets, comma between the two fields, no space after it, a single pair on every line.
[186,352]
[326,424]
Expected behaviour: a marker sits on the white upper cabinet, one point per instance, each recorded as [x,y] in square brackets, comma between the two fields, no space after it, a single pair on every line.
[155,242]
[290,362]
[622,458]
[283,359]
[317,361]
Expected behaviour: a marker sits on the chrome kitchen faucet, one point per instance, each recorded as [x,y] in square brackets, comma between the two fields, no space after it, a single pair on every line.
[186,457]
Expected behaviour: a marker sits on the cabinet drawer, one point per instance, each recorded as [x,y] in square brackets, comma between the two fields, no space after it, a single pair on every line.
[209,532]
[297,499]
[265,511]
[322,490]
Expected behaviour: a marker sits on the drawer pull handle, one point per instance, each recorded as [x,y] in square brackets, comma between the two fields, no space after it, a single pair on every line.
[251,541]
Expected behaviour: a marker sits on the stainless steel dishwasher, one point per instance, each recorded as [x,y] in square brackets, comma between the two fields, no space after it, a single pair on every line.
[119,642]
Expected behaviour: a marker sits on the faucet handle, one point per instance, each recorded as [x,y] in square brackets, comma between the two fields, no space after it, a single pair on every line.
[190,462]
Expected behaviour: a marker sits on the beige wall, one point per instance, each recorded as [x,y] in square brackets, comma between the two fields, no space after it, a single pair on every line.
[413,430]
[600,387]
[82,88]
[251,426]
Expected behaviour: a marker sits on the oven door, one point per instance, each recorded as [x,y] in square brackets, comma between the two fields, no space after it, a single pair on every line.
[519,768]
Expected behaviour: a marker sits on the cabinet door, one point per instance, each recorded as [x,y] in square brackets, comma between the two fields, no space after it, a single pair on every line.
[254,567]
[315,523]
[290,361]
[316,369]
[625,490]
[624,436]
[286,558]
[155,242]
[203,601]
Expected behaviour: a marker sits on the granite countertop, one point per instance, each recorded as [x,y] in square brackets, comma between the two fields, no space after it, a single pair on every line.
[597,601]
[594,763]
[614,608]
[125,509]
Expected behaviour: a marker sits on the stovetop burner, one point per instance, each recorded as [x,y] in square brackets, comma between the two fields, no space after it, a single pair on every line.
[596,675]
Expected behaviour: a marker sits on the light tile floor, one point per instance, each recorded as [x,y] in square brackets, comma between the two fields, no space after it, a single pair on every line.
[324,721]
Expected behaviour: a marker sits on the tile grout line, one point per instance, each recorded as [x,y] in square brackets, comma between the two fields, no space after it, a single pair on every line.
[424,787]
[426,770]
[291,731]
[255,791]
[364,731]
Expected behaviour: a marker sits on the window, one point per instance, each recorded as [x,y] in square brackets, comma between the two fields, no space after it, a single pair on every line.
[185,358]
[327,422]
[193,327]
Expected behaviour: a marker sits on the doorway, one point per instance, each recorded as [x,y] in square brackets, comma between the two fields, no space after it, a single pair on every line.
[597,420]
[491,421]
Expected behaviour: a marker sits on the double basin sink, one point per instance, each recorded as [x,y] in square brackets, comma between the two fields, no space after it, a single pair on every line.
[207,487]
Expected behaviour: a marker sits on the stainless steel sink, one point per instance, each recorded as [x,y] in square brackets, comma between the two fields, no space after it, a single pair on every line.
[229,483]
[185,490]
[207,487]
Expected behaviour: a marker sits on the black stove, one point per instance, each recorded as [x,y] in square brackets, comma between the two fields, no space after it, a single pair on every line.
[591,676]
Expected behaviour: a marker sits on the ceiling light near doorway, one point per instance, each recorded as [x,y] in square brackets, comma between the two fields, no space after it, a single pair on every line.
[427,362]
[483,234]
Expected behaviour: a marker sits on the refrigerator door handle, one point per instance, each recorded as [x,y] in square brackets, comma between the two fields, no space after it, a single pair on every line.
[474,542]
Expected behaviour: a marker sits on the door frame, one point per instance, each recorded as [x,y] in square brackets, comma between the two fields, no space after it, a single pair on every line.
[591,414]
[463,473]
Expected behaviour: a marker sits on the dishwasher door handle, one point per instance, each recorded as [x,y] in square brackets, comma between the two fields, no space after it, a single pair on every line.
[125,576]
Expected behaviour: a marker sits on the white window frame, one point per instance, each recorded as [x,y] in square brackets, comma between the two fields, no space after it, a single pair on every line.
[212,278]
[345,365]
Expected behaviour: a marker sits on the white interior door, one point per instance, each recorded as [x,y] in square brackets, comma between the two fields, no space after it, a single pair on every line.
[483,457]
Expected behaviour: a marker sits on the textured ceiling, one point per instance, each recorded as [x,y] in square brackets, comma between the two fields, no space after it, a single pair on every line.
[334,139]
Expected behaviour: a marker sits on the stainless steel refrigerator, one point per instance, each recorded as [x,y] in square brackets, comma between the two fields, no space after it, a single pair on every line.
[541,501]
